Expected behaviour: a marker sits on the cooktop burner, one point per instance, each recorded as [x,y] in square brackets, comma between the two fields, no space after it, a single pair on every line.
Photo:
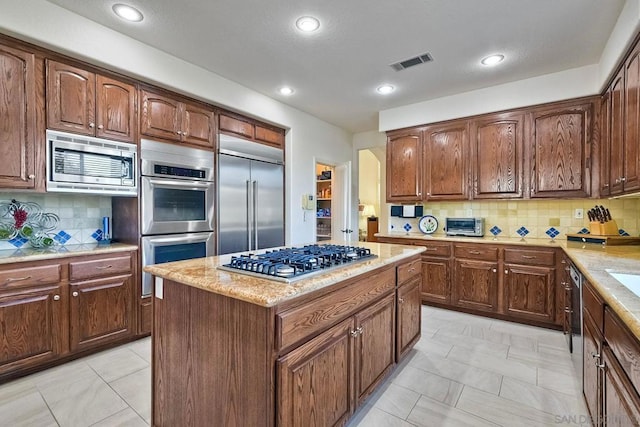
[289,264]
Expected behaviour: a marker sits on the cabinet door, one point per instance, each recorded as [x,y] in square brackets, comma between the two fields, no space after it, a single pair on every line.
[616,134]
[17,118]
[32,327]
[529,292]
[592,378]
[160,116]
[436,285]
[101,311]
[115,109]
[197,126]
[446,154]
[497,156]
[375,346]
[632,121]
[315,381]
[404,169]
[621,401]
[475,284]
[70,98]
[560,150]
[409,316]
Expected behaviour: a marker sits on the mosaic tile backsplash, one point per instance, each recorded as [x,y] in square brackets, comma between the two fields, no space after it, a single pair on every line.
[540,218]
[80,217]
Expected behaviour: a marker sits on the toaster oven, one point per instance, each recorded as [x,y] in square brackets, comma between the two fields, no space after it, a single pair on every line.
[472,227]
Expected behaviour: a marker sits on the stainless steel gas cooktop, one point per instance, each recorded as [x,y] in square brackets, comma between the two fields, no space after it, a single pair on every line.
[290,264]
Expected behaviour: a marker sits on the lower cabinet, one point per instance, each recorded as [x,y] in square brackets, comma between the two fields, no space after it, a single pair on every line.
[435,280]
[592,378]
[529,292]
[476,284]
[409,316]
[621,403]
[45,316]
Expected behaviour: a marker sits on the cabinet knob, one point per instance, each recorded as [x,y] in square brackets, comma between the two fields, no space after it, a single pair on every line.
[506,271]
[495,271]
[56,297]
[568,310]
[401,300]
[100,127]
[360,330]
[32,176]
[354,333]
[623,179]
[605,186]
[601,366]
[92,125]
[75,293]
[595,355]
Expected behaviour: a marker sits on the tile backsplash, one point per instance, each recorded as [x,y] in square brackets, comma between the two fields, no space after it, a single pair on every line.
[540,218]
[80,216]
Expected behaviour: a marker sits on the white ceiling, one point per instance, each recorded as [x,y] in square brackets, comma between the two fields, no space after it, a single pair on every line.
[335,71]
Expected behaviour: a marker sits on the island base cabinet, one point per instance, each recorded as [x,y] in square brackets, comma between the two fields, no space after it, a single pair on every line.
[409,316]
[101,311]
[32,326]
[315,381]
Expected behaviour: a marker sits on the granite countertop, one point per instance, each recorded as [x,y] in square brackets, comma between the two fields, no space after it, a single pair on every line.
[203,273]
[31,254]
[527,241]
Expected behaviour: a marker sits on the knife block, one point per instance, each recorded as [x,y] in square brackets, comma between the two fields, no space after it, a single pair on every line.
[609,228]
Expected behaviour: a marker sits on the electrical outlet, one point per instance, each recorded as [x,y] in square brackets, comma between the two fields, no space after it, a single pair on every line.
[579,214]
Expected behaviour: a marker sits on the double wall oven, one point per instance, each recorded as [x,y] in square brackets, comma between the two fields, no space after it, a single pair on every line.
[177,199]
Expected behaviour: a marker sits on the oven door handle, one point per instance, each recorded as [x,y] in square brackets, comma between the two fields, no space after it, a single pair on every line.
[178,183]
[176,239]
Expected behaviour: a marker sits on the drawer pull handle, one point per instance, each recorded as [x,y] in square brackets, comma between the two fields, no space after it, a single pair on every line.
[528,257]
[104,267]
[17,279]
[56,297]
[75,293]
[475,252]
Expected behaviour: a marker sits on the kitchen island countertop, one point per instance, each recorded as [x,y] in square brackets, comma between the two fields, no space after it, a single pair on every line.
[203,273]
[31,254]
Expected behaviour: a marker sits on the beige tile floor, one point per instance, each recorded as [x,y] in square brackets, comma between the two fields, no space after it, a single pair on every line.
[465,371]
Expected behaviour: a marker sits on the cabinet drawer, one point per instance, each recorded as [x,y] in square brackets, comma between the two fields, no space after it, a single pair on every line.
[296,324]
[408,270]
[81,270]
[476,252]
[593,304]
[623,345]
[436,249]
[29,276]
[236,126]
[518,256]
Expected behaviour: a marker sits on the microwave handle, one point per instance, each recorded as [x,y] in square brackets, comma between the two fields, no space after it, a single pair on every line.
[178,183]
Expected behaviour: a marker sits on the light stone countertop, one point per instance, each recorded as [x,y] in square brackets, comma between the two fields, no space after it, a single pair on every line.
[203,273]
[30,254]
[592,259]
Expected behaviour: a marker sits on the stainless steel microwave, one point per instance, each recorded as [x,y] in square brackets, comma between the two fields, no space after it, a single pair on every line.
[473,227]
[83,164]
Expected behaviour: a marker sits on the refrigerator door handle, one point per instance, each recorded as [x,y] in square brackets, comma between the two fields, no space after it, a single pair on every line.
[249,215]
[255,214]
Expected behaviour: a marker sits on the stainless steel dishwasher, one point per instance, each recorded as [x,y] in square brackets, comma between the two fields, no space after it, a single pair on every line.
[576,320]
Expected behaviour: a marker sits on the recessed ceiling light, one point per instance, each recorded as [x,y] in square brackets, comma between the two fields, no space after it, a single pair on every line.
[286,91]
[492,60]
[128,13]
[307,24]
[385,89]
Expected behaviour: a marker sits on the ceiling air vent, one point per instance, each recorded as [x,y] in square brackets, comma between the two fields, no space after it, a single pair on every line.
[417,60]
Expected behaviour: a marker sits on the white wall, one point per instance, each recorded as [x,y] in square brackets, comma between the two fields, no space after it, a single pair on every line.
[620,39]
[48,25]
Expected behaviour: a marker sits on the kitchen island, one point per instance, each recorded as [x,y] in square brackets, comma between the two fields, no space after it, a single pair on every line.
[236,350]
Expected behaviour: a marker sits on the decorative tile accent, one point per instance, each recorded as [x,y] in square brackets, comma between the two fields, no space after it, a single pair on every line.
[62,237]
[522,231]
[495,230]
[18,242]
[97,235]
[584,231]
[393,226]
[623,233]
[407,227]
[552,232]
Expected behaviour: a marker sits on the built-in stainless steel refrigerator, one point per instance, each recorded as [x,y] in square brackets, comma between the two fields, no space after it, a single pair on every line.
[250,195]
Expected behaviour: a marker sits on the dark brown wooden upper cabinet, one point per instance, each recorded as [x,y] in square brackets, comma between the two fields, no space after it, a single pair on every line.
[560,150]
[404,167]
[252,130]
[613,166]
[446,161]
[631,176]
[83,102]
[176,120]
[18,119]
[497,157]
